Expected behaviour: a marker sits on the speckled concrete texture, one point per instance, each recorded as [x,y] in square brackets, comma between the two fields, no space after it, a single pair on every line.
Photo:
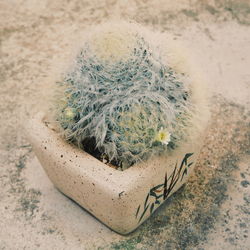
[211,211]
[122,200]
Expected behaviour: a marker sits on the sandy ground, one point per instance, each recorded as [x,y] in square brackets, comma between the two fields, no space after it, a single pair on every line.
[211,211]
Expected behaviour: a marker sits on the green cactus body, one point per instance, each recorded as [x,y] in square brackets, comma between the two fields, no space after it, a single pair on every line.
[121,96]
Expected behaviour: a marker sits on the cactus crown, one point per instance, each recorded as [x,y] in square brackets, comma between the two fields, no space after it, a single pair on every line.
[121,100]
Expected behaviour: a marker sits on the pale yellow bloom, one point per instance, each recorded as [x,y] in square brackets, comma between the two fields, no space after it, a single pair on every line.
[163,136]
[69,113]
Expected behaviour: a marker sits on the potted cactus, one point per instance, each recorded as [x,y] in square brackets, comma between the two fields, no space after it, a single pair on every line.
[130,115]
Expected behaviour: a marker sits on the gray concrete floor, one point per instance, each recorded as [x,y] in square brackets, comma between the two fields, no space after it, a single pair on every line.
[211,211]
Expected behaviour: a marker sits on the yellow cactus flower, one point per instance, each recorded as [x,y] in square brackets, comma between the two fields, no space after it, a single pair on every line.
[163,136]
[69,113]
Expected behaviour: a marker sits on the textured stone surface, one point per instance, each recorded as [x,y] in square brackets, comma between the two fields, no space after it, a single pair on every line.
[211,211]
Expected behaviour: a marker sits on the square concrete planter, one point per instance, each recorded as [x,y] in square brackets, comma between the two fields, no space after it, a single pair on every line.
[122,200]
